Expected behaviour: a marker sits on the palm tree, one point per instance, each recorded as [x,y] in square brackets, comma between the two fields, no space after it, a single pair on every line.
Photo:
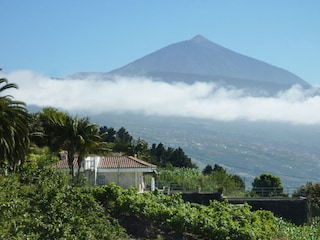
[71,141]
[14,129]
[81,138]
[90,140]
[59,130]
[48,128]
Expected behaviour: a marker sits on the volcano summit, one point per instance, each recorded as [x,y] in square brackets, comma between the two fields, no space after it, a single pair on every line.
[199,59]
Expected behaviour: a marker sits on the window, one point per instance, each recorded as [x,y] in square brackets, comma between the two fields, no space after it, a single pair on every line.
[101,179]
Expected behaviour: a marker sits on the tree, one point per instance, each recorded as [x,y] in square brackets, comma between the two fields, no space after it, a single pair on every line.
[14,129]
[123,142]
[239,181]
[109,134]
[170,157]
[90,140]
[267,185]
[179,159]
[81,138]
[207,170]
[218,168]
[60,131]
[158,154]
[123,136]
[140,148]
[48,128]
[312,192]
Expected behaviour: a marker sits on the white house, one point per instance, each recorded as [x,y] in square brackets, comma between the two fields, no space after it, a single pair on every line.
[126,171]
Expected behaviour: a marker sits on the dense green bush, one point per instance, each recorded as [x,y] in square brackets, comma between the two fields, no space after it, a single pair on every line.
[286,230]
[42,204]
[220,220]
[311,191]
[190,179]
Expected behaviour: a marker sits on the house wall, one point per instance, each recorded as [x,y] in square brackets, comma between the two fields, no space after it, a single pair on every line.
[123,179]
[90,175]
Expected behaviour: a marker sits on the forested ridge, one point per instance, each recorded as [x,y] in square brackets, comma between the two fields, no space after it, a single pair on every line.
[38,202]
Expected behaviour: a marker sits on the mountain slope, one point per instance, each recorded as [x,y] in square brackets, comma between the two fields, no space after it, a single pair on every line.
[244,148]
[199,59]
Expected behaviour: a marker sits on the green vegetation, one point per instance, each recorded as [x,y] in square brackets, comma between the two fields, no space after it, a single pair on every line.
[288,231]
[40,203]
[311,191]
[219,220]
[14,130]
[267,185]
[60,131]
[169,157]
[121,141]
[190,179]
[37,202]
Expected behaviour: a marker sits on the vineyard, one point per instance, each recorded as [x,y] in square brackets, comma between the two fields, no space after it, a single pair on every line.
[216,221]
[219,220]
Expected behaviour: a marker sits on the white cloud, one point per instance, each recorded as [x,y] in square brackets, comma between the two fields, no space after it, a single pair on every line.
[141,95]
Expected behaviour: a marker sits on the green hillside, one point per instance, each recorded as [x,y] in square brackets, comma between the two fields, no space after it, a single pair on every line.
[245,148]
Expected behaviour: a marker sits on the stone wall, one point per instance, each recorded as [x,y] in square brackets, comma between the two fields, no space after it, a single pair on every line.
[295,210]
[201,198]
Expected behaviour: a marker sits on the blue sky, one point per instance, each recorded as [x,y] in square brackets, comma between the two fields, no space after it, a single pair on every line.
[58,38]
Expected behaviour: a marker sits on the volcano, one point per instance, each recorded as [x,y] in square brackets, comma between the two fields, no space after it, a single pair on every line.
[200,59]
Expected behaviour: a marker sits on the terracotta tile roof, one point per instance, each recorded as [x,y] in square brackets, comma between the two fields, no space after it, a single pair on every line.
[63,164]
[123,162]
[111,162]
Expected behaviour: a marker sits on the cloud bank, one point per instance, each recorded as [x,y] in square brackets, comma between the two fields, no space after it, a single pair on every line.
[144,96]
